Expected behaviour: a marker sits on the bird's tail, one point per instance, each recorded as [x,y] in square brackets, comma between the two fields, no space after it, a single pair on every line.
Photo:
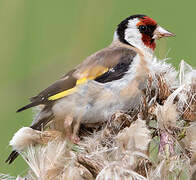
[13,155]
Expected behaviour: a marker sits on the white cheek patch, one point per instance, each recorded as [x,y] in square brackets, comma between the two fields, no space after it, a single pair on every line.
[134,37]
[132,34]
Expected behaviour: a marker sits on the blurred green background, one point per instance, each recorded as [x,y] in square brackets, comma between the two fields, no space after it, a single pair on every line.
[42,39]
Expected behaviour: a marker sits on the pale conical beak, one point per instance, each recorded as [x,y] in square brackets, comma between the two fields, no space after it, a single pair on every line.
[160,32]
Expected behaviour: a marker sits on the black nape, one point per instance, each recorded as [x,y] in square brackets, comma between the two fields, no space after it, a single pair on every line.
[123,25]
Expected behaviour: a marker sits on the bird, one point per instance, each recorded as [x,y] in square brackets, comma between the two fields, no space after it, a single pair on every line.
[111,79]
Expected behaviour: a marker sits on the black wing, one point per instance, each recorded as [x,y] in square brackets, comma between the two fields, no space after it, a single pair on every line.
[119,70]
[65,83]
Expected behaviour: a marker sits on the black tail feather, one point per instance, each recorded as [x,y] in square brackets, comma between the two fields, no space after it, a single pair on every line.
[28,106]
[14,154]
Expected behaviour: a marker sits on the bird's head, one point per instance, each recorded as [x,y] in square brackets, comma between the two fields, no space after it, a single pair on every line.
[141,32]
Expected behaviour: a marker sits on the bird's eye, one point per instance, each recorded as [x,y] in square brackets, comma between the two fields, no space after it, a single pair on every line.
[143,29]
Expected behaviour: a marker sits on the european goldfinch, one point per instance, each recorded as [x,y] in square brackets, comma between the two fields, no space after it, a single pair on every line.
[105,82]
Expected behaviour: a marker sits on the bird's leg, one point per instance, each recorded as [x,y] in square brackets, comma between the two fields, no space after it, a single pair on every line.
[75,128]
[71,127]
[67,125]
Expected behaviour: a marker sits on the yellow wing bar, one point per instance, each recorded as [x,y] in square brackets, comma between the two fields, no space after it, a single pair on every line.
[78,82]
[62,94]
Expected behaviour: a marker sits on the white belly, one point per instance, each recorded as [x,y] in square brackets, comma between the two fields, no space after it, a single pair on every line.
[96,102]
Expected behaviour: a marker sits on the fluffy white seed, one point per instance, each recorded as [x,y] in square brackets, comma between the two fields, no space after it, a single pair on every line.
[23,137]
